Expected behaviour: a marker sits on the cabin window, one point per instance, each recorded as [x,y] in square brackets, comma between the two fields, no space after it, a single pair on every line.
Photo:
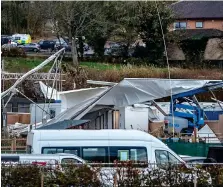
[95,154]
[138,154]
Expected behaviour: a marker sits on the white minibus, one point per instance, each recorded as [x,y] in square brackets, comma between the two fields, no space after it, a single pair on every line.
[104,146]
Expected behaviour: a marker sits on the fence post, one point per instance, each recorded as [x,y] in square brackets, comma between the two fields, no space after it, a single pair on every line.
[195,179]
[42,179]
[115,180]
[13,145]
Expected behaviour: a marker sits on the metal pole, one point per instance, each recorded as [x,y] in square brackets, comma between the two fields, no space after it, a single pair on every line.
[3,82]
[31,72]
[216,99]
[32,101]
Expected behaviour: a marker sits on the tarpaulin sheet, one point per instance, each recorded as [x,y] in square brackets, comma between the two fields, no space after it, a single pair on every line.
[130,91]
[137,90]
[49,93]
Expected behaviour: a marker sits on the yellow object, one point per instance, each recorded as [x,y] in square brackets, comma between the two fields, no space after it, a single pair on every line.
[22,38]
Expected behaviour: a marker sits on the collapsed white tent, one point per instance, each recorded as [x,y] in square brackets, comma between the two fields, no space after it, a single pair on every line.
[128,92]
[49,92]
[73,97]
[137,90]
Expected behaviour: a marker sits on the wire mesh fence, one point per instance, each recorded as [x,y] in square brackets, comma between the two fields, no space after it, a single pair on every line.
[122,174]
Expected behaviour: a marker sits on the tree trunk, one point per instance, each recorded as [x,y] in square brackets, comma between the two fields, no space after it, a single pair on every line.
[74,52]
[81,48]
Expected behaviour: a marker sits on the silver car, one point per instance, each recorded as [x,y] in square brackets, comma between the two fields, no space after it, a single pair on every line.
[31,47]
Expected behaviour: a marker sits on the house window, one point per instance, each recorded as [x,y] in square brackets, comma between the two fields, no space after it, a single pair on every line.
[24,108]
[180,25]
[199,24]
[9,107]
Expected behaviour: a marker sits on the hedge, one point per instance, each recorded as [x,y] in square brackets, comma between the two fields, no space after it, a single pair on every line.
[124,174]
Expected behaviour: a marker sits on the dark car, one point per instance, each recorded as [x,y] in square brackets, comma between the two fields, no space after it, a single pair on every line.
[63,45]
[216,153]
[5,39]
[47,45]
[32,47]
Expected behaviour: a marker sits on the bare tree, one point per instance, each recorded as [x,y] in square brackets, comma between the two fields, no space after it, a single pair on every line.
[72,19]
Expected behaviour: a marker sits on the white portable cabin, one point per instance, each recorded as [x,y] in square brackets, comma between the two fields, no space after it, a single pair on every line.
[104,146]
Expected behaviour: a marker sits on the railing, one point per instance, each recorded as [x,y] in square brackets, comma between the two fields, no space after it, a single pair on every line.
[207,137]
[35,76]
[13,145]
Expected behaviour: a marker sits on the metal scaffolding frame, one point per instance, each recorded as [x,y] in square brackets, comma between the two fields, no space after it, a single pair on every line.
[35,76]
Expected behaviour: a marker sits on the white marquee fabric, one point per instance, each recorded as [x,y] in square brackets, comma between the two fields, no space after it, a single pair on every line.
[137,90]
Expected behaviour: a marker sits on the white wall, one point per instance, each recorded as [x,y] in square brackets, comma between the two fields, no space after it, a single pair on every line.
[37,114]
[110,116]
[122,118]
[136,118]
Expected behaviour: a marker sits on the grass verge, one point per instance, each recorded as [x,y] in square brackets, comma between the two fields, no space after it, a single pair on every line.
[116,72]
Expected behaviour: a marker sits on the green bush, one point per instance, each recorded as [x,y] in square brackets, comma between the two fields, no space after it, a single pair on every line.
[20,176]
[13,52]
[124,174]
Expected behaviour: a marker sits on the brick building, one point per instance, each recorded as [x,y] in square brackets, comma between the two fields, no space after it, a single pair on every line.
[197,15]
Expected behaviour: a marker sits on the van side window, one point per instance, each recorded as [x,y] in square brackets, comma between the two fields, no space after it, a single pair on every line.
[164,157]
[49,150]
[69,150]
[95,154]
[70,161]
[128,153]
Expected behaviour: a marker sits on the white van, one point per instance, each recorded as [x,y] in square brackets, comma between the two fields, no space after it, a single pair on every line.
[104,146]
[40,159]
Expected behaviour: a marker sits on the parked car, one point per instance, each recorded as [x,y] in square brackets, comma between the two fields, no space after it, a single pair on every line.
[5,39]
[59,46]
[41,159]
[22,38]
[216,153]
[32,47]
[198,160]
[47,45]
[9,46]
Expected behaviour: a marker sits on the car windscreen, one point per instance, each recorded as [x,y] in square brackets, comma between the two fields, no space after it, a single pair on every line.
[9,158]
[216,153]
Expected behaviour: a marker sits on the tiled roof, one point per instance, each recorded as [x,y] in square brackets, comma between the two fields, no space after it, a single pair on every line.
[198,9]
